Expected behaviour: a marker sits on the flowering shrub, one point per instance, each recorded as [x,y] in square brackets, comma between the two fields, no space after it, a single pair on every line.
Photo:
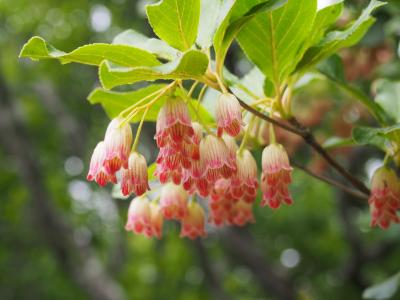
[205,164]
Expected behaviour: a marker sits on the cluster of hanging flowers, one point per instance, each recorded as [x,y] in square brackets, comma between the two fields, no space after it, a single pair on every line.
[205,176]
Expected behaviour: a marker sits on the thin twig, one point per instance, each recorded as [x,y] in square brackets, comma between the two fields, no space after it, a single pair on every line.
[269,119]
[331,182]
[309,138]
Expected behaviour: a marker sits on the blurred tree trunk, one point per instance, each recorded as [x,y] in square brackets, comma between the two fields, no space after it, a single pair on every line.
[76,260]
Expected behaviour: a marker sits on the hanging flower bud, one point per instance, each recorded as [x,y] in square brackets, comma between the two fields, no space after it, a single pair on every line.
[242,213]
[117,142]
[134,179]
[385,198]
[244,181]
[221,203]
[97,171]
[156,220]
[194,147]
[276,176]
[228,114]
[173,123]
[165,174]
[174,134]
[139,216]
[230,143]
[193,223]
[173,202]
[214,155]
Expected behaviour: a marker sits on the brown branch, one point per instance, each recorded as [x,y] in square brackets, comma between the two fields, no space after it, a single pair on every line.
[269,119]
[309,138]
[333,182]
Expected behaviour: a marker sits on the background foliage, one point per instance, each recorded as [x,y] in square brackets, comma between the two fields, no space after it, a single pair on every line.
[63,238]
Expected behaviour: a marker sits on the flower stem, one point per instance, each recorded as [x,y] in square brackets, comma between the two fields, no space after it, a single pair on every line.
[192,88]
[221,84]
[272,137]
[386,159]
[139,130]
[246,135]
[207,129]
[140,102]
[149,104]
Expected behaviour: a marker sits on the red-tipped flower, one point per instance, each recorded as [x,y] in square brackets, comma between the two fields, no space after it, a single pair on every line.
[221,203]
[193,223]
[232,146]
[276,176]
[174,134]
[173,202]
[228,114]
[173,123]
[97,171]
[214,155]
[244,181]
[156,220]
[117,142]
[242,213]
[139,217]
[134,179]
[385,198]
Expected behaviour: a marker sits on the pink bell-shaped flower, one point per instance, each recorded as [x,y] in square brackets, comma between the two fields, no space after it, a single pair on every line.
[228,114]
[156,220]
[173,123]
[242,213]
[244,181]
[97,171]
[385,198]
[173,202]
[139,216]
[134,179]
[117,142]
[193,223]
[221,203]
[276,176]
[214,155]
[174,134]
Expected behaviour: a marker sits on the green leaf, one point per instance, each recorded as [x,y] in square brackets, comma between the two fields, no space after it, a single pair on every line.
[383,290]
[93,54]
[333,69]
[158,47]
[337,142]
[325,18]
[376,136]
[388,97]
[240,12]
[273,41]
[175,21]
[336,40]
[191,65]
[115,102]
[210,15]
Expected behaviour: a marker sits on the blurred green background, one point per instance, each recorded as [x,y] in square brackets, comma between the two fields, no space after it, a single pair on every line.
[62,237]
